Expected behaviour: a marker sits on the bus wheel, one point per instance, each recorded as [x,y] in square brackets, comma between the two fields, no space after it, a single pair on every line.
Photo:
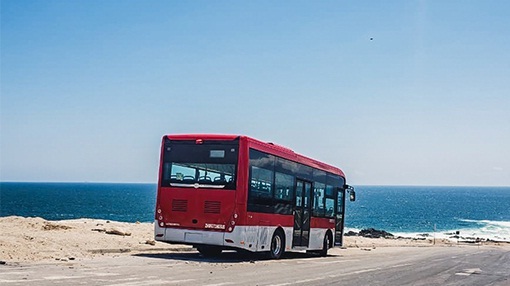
[325,246]
[209,251]
[277,245]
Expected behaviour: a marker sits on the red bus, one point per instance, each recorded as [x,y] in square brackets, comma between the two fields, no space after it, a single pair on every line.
[219,192]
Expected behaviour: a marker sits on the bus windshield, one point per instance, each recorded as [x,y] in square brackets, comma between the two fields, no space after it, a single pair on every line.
[206,165]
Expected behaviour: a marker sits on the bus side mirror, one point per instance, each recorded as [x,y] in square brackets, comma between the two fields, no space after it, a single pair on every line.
[352,193]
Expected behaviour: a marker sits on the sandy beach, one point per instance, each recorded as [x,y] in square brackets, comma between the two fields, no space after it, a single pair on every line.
[35,239]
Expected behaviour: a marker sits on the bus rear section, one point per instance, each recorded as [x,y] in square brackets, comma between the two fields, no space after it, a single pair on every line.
[196,193]
[220,192]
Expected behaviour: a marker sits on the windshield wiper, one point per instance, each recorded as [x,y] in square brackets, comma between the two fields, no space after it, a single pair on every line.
[197,185]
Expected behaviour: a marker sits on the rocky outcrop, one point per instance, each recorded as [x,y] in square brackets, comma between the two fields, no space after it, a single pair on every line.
[370,233]
[351,233]
[374,233]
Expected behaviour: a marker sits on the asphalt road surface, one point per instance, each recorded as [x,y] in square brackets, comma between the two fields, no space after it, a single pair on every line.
[457,265]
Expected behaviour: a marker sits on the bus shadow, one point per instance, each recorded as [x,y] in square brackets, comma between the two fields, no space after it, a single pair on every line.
[225,257]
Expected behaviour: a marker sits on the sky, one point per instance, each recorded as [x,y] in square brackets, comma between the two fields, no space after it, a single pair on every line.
[392,92]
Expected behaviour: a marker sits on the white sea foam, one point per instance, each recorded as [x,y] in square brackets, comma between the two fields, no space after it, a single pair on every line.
[484,229]
[505,224]
[488,229]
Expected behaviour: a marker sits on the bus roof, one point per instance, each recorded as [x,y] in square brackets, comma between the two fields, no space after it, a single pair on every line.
[269,147]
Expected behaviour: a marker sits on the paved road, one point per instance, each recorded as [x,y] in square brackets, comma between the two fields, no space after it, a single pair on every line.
[464,265]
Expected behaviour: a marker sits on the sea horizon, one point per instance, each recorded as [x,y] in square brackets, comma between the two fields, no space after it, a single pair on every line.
[408,211]
[155,183]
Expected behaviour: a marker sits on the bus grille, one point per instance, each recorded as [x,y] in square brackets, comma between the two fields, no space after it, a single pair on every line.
[212,207]
[179,205]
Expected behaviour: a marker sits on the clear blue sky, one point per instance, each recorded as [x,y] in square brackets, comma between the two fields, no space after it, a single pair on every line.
[393,92]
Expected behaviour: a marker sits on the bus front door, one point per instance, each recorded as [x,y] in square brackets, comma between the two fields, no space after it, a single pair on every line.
[339,219]
[301,234]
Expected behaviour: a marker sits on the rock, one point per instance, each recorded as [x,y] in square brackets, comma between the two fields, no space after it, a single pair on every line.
[52,226]
[374,233]
[151,242]
[117,231]
[351,233]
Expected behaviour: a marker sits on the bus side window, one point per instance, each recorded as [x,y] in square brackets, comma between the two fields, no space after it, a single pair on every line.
[330,207]
[330,201]
[318,203]
[284,185]
[261,182]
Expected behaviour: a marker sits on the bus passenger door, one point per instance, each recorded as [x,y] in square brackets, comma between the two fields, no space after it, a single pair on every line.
[301,234]
[339,217]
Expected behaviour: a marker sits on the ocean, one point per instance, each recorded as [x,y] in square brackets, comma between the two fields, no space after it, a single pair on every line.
[482,212]
[60,201]
[409,211]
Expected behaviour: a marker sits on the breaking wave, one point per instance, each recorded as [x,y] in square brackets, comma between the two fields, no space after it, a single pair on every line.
[487,229]
[478,229]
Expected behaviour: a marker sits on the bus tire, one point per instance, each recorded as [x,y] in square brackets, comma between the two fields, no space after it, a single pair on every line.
[325,245]
[209,251]
[277,244]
